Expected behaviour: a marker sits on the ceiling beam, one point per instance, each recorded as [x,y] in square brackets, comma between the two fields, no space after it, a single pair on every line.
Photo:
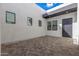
[46,16]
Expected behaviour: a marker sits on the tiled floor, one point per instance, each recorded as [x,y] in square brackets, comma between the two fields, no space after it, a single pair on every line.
[42,46]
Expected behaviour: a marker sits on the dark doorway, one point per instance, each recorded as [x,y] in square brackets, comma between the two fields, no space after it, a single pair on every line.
[67,27]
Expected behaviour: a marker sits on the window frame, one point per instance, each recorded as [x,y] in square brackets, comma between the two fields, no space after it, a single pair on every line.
[39,23]
[55,25]
[29,21]
[49,25]
[8,13]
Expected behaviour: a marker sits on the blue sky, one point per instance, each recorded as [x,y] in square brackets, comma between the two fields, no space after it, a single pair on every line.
[45,7]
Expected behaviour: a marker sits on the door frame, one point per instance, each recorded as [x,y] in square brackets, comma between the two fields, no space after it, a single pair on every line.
[72,26]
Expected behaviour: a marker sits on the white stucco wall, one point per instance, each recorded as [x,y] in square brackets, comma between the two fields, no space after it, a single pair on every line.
[58,33]
[0,34]
[20,30]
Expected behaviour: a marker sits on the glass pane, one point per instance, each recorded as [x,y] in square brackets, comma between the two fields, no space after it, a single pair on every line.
[54,25]
[29,21]
[40,23]
[49,25]
[54,28]
[10,17]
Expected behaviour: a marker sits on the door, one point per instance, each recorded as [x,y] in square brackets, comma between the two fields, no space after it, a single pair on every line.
[67,27]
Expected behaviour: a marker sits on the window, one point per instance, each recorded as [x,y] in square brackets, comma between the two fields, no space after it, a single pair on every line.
[29,21]
[40,23]
[49,25]
[10,17]
[54,25]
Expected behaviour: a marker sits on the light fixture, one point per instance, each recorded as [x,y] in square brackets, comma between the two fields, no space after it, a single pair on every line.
[49,4]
